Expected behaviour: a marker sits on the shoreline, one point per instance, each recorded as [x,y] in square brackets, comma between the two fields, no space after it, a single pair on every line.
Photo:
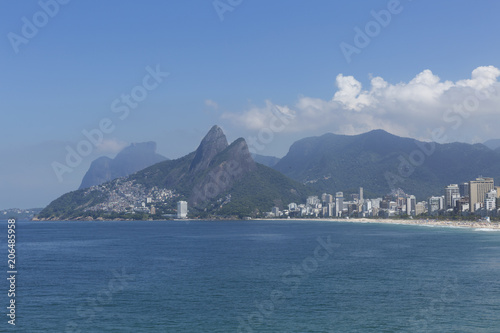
[417,222]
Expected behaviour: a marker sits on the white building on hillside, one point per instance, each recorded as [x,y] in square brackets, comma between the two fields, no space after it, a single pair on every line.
[182,209]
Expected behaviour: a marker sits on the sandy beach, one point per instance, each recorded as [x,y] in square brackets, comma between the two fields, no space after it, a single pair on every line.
[422,222]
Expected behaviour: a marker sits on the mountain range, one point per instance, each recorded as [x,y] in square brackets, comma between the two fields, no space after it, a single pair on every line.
[380,162]
[222,179]
[131,159]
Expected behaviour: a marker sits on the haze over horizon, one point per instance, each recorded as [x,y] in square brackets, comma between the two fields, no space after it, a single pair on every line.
[429,66]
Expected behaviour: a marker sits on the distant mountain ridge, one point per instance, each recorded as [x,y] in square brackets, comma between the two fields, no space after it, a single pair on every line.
[374,161]
[133,158]
[493,144]
[269,161]
[218,179]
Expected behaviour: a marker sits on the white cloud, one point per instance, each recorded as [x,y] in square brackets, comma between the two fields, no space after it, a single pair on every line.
[110,147]
[254,118]
[211,104]
[482,77]
[350,94]
[464,108]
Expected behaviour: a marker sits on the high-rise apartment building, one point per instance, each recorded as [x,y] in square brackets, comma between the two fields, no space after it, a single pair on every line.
[464,189]
[339,203]
[312,201]
[490,200]
[411,203]
[478,189]
[182,209]
[331,209]
[421,208]
[451,195]
[435,204]
[326,198]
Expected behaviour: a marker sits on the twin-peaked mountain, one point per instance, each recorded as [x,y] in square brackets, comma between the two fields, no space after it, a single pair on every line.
[206,173]
[379,162]
[217,179]
[220,172]
[131,159]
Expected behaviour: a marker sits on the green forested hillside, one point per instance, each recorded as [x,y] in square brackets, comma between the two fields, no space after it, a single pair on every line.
[262,189]
[379,161]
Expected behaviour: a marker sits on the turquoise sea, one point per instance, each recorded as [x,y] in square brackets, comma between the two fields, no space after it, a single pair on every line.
[252,276]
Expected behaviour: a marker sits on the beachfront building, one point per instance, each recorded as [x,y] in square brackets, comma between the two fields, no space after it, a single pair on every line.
[435,205]
[411,203]
[478,189]
[421,208]
[367,206]
[326,198]
[376,203]
[313,201]
[490,200]
[330,209]
[463,205]
[339,204]
[275,211]
[182,209]
[498,196]
[451,195]
[464,189]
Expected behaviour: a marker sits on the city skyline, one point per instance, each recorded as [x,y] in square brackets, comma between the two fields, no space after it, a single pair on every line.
[481,199]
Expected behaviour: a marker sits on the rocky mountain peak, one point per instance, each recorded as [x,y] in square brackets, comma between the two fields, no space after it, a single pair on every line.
[132,158]
[229,166]
[213,143]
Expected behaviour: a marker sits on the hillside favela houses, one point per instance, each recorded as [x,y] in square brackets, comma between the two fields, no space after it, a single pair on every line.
[479,197]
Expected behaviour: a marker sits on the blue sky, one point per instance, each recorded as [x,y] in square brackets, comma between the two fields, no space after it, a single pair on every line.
[262,57]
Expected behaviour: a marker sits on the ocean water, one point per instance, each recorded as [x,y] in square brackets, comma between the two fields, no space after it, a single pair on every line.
[252,276]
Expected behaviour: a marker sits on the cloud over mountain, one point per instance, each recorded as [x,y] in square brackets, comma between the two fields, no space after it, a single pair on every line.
[464,110]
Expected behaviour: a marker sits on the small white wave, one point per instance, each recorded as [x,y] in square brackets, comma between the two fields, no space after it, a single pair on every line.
[487,229]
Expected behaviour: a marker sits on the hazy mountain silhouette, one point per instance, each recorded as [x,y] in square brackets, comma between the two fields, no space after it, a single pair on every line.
[131,159]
